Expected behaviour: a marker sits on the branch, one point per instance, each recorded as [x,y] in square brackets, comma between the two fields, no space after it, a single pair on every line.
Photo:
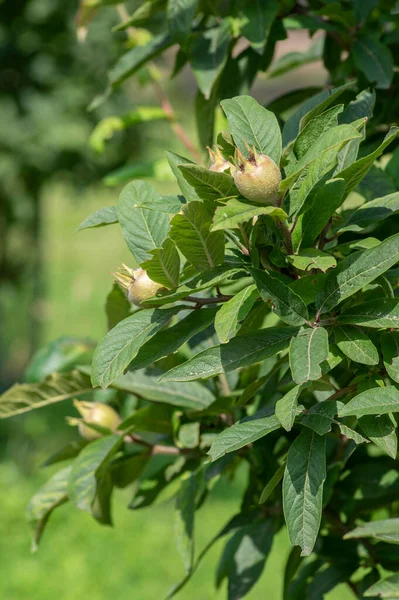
[287,238]
[154,448]
[202,301]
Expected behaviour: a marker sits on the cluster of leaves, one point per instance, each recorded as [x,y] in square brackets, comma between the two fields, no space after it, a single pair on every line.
[226,44]
[275,345]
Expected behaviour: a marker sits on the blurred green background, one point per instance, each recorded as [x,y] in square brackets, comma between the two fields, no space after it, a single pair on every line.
[53,282]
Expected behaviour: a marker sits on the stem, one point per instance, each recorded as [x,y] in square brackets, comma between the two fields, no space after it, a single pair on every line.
[201,301]
[244,237]
[154,448]
[287,238]
[224,384]
[323,235]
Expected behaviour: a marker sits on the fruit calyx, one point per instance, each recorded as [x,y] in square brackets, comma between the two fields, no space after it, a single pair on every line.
[137,284]
[95,413]
[218,161]
[257,177]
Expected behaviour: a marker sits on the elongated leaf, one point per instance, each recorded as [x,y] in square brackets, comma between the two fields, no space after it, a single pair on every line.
[169,341]
[167,203]
[320,416]
[390,352]
[258,17]
[180,14]
[312,259]
[236,212]
[143,229]
[286,304]
[374,60]
[184,519]
[175,161]
[381,430]
[315,128]
[303,489]
[103,216]
[145,11]
[23,397]
[385,588]
[204,281]
[164,266]
[372,212]
[209,185]
[352,435]
[155,418]
[356,171]
[117,306]
[190,232]
[208,55]
[120,346]
[135,58]
[356,345]
[146,384]
[82,483]
[49,497]
[254,125]
[383,529]
[248,430]
[241,351]
[316,215]
[376,401]
[292,60]
[383,312]
[356,271]
[308,350]
[286,407]
[272,484]
[227,321]
[61,355]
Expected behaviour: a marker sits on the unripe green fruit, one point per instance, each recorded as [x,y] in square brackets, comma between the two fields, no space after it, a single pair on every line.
[96,413]
[138,285]
[257,178]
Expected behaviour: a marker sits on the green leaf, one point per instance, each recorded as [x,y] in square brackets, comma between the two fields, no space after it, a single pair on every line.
[168,341]
[303,489]
[308,350]
[146,384]
[63,354]
[272,484]
[154,418]
[230,315]
[184,519]
[245,431]
[120,346]
[70,450]
[235,212]
[244,557]
[103,216]
[208,55]
[143,229]
[385,588]
[356,345]
[356,271]
[390,352]
[23,397]
[241,351]
[374,60]
[164,266]
[138,56]
[82,481]
[352,435]
[385,529]
[175,162]
[209,185]
[312,259]
[127,469]
[286,304]
[145,11]
[311,108]
[315,128]
[200,282]
[257,19]
[252,124]
[180,14]
[356,171]
[325,201]
[320,416]
[379,313]
[308,286]
[376,401]
[371,213]
[190,232]
[51,495]
[117,306]
[168,204]
[381,430]
[286,407]
[292,60]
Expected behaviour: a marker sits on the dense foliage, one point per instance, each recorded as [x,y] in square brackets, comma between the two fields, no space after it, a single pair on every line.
[262,334]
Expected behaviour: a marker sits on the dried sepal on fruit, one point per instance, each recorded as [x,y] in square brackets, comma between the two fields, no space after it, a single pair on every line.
[95,413]
[218,161]
[137,284]
[257,177]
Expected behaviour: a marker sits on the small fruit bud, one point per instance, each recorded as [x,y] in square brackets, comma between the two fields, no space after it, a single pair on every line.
[96,413]
[218,161]
[138,285]
[257,177]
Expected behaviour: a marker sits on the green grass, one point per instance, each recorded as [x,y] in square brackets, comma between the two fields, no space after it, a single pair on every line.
[78,558]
